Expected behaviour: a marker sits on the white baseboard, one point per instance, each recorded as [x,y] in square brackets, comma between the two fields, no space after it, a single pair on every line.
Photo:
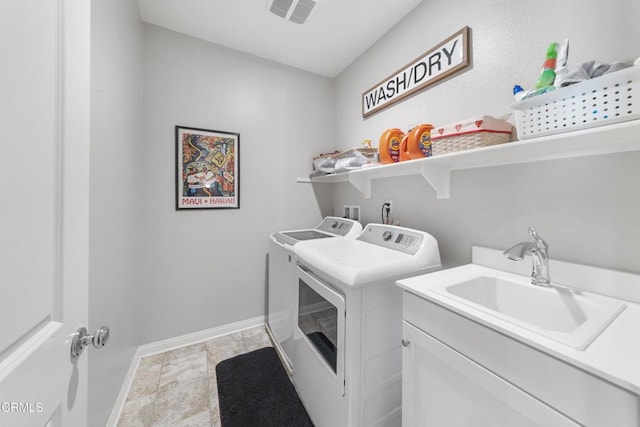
[171,344]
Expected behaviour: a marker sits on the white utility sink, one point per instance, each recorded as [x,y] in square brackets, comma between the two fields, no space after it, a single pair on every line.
[565,315]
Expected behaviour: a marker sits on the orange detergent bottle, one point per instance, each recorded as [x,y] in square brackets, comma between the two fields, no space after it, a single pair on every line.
[417,143]
[389,145]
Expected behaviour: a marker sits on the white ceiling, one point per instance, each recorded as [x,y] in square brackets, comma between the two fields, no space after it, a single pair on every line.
[335,34]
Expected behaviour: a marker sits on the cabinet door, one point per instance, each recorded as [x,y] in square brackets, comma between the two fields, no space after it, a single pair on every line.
[442,387]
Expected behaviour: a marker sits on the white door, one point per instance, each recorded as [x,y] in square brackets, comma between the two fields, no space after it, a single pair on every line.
[44,178]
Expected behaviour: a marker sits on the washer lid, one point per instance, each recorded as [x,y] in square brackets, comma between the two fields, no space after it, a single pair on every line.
[329,227]
[293,237]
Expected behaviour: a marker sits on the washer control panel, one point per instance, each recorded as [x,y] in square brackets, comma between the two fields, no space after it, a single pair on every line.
[339,226]
[392,237]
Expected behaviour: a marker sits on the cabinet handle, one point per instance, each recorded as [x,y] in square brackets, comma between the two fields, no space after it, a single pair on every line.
[405,342]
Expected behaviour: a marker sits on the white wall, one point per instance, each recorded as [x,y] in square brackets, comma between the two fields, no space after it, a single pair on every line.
[116,68]
[509,40]
[203,269]
[586,209]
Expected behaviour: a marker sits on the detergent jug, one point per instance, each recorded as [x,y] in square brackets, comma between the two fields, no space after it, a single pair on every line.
[417,143]
[389,145]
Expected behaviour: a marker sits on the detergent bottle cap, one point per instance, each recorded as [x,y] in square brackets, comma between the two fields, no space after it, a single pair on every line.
[552,51]
[517,89]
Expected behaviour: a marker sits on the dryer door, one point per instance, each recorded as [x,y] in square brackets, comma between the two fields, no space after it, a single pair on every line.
[321,319]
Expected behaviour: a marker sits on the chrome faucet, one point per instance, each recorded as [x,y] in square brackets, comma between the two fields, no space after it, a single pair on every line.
[539,250]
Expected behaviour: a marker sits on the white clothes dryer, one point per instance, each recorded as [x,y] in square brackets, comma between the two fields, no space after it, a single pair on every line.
[347,341]
[283,277]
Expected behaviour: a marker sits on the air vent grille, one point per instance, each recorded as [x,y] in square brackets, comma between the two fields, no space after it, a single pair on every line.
[294,10]
[302,11]
[280,7]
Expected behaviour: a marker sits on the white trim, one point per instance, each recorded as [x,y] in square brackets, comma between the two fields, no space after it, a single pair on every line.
[171,344]
[124,391]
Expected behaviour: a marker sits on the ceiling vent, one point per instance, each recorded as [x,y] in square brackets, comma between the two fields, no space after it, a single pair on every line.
[294,10]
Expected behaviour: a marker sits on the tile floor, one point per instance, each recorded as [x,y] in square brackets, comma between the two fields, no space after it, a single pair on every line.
[178,387]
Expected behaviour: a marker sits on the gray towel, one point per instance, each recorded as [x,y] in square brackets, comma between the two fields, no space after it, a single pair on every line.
[586,71]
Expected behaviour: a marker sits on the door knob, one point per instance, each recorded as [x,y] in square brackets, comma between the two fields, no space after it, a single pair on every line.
[82,339]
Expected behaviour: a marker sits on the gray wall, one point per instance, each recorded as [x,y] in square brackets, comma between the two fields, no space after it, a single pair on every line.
[586,209]
[203,269]
[116,49]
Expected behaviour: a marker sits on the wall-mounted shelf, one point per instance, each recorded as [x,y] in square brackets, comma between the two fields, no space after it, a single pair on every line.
[616,138]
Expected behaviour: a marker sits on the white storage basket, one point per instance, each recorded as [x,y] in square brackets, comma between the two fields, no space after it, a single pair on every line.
[604,100]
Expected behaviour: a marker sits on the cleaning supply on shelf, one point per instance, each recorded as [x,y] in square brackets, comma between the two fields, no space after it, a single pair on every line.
[518,93]
[417,143]
[537,92]
[389,145]
[548,74]
[561,63]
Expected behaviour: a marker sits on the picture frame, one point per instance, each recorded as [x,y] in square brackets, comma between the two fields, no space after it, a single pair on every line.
[207,169]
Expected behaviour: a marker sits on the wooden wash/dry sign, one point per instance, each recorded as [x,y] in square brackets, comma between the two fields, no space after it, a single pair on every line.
[446,59]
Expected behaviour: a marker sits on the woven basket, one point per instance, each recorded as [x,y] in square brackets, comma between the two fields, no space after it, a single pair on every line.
[471,133]
[469,141]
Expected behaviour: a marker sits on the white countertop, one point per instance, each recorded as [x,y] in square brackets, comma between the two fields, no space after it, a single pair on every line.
[613,355]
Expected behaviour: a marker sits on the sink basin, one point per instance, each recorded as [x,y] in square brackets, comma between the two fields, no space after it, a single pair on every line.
[565,315]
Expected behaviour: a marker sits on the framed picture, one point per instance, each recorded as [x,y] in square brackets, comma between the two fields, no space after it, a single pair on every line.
[207,168]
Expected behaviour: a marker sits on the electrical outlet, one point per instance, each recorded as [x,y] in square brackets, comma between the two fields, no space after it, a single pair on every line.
[355,212]
[389,206]
[351,212]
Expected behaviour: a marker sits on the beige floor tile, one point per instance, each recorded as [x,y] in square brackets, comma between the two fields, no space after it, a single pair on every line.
[185,351]
[178,401]
[138,413]
[145,382]
[202,419]
[184,368]
[225,347]
[215,417]
[213,399]
[155,359]
[256,338]
[178,388]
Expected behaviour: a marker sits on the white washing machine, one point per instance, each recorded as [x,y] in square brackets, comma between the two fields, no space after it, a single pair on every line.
[347,343]
[283,278]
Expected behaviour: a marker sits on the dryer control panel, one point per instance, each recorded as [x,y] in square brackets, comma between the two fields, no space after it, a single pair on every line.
[392,237]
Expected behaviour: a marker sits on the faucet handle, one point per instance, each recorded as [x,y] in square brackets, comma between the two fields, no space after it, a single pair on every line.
[539,241]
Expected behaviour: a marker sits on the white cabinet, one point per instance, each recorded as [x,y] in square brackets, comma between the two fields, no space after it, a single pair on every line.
[456,370]
[441,387]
